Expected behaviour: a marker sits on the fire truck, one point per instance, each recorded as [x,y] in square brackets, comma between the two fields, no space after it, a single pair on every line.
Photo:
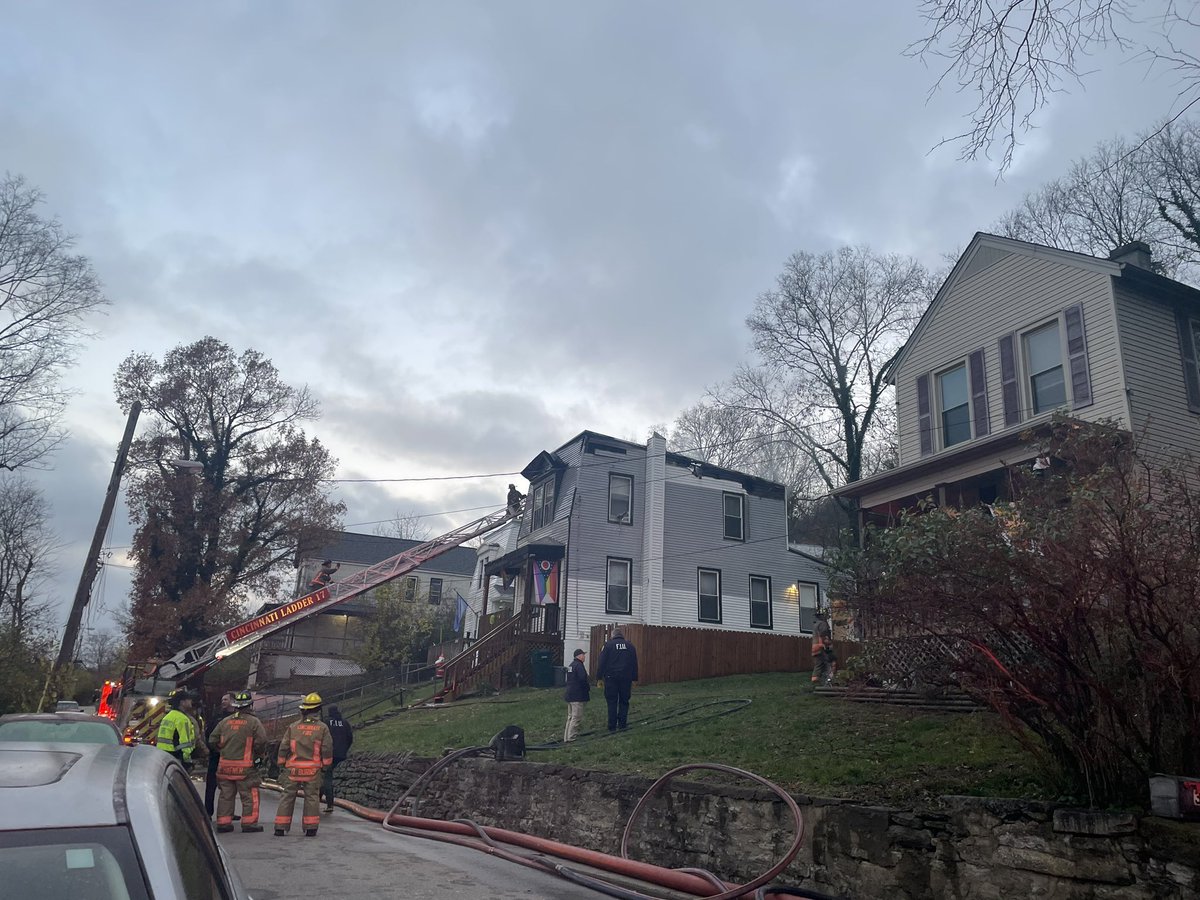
[138,703]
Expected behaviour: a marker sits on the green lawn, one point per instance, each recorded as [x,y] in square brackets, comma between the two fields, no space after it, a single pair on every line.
[808,744]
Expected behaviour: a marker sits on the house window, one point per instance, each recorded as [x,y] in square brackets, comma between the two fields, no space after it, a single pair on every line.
[708,594]
[620,498]
[1043,358]
[410,590]
[734,527]
[617,597]
[543,504]
[760,602]
[953,397]
[809,597]
[435,591]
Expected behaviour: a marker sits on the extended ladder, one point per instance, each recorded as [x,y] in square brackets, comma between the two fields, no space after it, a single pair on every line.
[202,655]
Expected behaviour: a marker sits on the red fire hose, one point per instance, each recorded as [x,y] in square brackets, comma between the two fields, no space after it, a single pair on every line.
[697,882]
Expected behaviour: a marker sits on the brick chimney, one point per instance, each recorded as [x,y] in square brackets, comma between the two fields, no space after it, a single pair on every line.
[1135,253]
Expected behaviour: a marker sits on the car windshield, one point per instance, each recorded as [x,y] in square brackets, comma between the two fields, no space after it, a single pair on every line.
[97,863]
[59,732]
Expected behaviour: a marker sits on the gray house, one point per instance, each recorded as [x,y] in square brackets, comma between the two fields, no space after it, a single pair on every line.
[615,531]
[1020,331]
[324,644]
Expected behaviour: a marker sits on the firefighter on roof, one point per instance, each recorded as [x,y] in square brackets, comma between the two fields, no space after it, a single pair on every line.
[177,731]
[240,739]
[305,750]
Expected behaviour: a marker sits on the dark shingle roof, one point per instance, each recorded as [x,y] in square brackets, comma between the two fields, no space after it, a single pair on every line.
[368,549]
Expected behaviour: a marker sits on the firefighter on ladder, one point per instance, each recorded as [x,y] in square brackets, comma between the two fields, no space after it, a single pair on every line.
[240,739]
[305,750]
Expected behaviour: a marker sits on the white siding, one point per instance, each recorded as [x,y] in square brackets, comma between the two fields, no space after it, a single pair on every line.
[1013,294]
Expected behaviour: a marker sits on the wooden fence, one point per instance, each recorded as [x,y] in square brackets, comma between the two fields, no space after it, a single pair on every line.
[667,653]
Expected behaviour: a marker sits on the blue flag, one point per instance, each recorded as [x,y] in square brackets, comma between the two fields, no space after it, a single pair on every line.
[460,610]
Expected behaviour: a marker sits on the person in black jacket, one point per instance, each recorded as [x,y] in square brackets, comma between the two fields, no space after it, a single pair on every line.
[578,693]
[343,737]
[618,670]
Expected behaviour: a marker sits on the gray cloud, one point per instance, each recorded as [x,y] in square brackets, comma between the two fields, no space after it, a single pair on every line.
[475,229]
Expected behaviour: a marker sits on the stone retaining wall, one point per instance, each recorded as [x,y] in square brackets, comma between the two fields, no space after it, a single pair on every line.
[971,848]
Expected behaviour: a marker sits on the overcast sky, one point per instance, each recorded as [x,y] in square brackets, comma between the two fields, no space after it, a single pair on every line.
[476,229]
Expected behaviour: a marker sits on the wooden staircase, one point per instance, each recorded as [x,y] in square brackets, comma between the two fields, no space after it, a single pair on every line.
[503,651]
[948,701]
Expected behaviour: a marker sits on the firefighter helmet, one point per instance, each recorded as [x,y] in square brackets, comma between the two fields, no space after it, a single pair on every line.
[242,699]
[312,701]
[177,696]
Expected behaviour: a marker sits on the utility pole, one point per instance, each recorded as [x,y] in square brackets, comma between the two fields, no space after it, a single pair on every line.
[91,565]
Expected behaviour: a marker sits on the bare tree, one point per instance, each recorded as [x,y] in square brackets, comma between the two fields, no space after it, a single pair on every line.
[229,522]
[1173,171]
[406,526]
[45,293]
[825,338]
[1013,55]
[1106,200]
[1140,190]
[27,549]
[103,651]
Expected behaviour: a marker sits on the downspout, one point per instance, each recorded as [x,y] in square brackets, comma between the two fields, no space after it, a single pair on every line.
[652,529]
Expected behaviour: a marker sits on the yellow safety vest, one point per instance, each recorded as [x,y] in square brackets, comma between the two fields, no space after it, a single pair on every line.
[177,734]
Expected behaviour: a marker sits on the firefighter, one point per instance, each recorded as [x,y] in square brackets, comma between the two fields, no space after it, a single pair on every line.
[514,500]
[177,731]
[823,658]
[324,575]
[305,749]
[241,740]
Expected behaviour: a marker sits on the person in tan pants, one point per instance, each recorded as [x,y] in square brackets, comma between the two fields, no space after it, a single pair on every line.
[305,750]
[240,739]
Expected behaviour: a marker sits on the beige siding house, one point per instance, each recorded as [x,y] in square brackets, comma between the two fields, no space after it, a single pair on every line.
[1018,332]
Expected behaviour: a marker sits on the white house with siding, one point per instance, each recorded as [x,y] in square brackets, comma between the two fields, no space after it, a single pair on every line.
[1020,331]
[614,531]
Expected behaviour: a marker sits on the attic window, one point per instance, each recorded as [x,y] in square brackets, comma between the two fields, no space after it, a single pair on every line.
[543,504]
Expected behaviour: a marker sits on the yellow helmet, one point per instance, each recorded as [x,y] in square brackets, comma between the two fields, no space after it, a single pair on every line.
[312,701]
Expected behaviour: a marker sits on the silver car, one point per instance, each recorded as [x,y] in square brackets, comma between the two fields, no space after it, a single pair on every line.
[106,822]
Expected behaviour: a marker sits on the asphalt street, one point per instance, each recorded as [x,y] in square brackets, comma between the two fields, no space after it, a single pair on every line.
[353,859]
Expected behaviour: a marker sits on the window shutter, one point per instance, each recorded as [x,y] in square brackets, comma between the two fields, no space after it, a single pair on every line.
[1081,383]
[924,415]
[979,400]
[1187,349]
[1008,380]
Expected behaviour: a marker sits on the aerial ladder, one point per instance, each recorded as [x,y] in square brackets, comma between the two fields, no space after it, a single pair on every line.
[139,703]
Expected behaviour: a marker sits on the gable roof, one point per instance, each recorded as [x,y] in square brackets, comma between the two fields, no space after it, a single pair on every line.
[984,251]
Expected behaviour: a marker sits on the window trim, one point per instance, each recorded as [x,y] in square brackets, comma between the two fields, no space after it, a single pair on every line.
[608,607]
[770,602]
[1027,373]
[543,495]
[939,400]
[439,584]
[628,518]
[741,498]
[408,589]
[700,571]
[816,607]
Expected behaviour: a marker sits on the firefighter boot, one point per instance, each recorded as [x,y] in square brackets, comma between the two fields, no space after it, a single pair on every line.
[279,832]
[224,829]
[310,832]
[251,828]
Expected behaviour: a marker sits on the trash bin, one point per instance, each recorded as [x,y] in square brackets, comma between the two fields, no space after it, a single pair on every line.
[542,664]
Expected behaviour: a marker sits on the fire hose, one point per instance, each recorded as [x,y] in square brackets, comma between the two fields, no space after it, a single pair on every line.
[548,856]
